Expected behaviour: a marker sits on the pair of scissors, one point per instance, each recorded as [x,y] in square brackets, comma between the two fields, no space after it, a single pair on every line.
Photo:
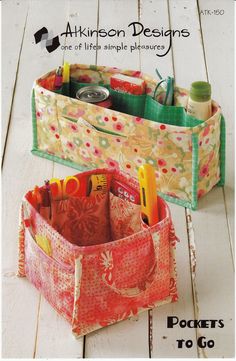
[60,188]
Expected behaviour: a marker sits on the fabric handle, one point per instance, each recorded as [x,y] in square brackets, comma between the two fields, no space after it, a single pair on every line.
[151,276]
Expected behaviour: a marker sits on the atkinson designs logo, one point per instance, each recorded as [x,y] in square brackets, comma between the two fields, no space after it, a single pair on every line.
[46,39]
[135,29]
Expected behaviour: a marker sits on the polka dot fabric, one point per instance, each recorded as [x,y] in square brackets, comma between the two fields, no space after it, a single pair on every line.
[95,285]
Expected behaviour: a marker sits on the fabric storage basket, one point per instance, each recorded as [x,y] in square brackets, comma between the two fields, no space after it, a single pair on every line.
[111,265]
[188,154]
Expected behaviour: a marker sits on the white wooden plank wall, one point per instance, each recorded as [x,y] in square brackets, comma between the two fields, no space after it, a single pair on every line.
[204,293]
[11,48]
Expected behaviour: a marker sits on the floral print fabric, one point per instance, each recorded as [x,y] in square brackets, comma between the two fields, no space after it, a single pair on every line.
[97,285]
[83,221]
[120,141]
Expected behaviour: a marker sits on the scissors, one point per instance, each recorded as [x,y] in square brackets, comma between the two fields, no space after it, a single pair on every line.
[63,188]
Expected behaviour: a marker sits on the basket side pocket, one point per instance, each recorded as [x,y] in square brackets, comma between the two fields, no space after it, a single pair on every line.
[162,113]
[45,123]
[89,147]
[167,114]
[53,279]
[128,103]
[211,159]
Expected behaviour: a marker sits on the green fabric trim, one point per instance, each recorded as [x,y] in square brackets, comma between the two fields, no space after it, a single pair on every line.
[177,201]
[222,151]
[34,121]
[54,158]
[194,171]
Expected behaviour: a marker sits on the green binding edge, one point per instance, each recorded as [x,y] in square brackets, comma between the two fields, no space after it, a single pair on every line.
[222,151]
[179,202]
[54,158]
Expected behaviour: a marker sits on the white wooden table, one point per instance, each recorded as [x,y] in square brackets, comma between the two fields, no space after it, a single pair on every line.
[31,328]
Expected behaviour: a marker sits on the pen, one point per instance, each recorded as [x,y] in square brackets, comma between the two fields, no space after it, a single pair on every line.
[58,78]
[148,194]
[66,79]
[47,201]
[47,194]
[51,82]
[37,197]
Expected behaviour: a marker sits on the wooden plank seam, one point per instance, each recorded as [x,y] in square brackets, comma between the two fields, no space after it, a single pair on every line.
[193,265]
[13,92]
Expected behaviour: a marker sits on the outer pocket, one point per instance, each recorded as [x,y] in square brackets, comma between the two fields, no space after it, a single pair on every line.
[128,103]
[89,147]
[45,123]
[53,279]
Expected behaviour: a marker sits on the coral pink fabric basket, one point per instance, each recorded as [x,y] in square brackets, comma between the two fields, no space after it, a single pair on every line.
[105,264]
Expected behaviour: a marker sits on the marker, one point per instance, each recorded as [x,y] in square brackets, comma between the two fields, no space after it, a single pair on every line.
[47,197]
[148,194]
[58,78]
[66,79]
[37,197]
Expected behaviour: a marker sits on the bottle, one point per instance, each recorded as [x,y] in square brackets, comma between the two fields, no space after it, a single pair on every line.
[199,102]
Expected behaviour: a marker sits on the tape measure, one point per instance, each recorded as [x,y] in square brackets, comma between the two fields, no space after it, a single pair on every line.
[97,183]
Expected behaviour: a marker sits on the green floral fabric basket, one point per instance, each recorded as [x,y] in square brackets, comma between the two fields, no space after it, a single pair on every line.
[188,154]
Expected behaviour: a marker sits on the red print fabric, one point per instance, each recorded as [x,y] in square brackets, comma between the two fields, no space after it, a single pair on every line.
[104,264]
